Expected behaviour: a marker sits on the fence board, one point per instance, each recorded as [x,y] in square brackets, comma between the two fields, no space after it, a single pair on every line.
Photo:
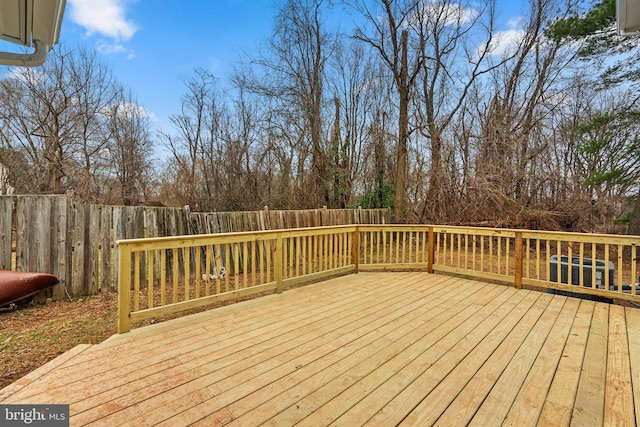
[60,244]
[92,228]
[6,227]
[107,282]
[24,217]
[41,234]
[80,251]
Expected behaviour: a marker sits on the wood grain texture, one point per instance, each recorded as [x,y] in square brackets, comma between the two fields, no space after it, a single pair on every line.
[406,348]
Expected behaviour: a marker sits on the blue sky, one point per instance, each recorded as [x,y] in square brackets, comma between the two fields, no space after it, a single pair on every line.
[151,44]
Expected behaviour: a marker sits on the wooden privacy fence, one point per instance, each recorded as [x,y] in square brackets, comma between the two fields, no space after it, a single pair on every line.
[168,275]
[34,236]
[76,241]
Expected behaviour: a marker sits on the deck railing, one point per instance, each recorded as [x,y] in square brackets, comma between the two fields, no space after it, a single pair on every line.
[163,276]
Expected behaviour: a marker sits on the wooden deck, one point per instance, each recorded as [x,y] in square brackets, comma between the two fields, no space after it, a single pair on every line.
[378,348]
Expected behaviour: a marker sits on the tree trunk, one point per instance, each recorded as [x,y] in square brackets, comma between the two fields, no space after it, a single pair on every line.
[403,130]
[634,224]
[434,195]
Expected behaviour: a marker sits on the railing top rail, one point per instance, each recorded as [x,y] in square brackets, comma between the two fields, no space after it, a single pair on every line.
[245,236]
[582,237]
[232,237]
[483,231]
[510,232]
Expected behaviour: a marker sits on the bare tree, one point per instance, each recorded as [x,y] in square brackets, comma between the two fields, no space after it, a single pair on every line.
[52,123]
[96,91]
[389,37]
[236,159]
[357,89]
[452,61]
[196,128]
[292,72]
[37,124]
[284,156]
[513,133]
[130,147]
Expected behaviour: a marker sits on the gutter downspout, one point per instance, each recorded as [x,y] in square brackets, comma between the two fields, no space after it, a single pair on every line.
[34,59]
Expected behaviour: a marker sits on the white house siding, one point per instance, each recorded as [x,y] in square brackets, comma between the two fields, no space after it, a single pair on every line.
[5,188]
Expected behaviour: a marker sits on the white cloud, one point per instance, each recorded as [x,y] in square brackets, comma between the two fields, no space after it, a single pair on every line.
[142,112]
[25,74]
[445,14]
[505,42]
[105,17]
[455,14]
[107,48]
[128,110]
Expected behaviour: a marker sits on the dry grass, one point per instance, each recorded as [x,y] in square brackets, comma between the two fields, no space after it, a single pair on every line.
[33,335]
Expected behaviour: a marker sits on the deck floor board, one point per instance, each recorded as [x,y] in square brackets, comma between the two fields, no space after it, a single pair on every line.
[370,348]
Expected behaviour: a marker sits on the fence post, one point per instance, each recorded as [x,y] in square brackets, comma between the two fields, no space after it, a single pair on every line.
[431,249]
[68,247]
[124,288]
[278,265]
[355,249]
[517,280]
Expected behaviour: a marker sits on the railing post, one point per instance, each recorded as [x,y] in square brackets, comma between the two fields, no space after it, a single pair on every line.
[517,280]
[431,249]
[124,288]
[278,265]
[355,249]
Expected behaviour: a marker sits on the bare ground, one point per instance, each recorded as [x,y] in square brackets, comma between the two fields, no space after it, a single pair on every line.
[33,335]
